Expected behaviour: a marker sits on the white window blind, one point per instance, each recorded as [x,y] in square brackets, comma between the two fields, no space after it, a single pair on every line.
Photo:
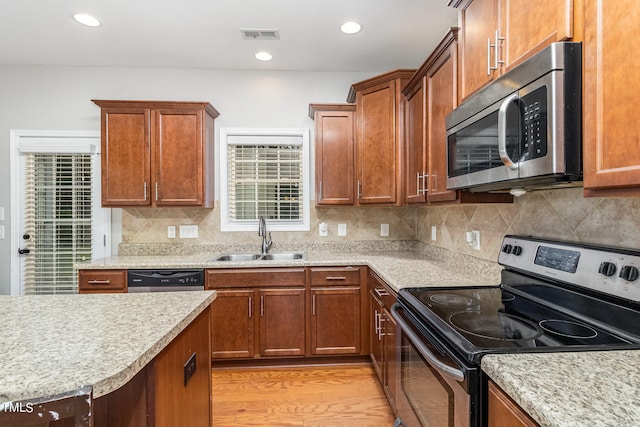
[266,176]
[58,220]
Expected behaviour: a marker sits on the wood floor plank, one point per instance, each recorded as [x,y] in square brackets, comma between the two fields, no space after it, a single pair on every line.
[299,397]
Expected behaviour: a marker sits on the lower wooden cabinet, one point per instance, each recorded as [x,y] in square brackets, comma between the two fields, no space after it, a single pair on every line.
[258,312]
[159,395]
[102,281]
[335,311]
[503,411]
[384,345]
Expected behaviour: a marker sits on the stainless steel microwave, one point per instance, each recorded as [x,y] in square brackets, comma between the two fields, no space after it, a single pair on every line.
[523,130]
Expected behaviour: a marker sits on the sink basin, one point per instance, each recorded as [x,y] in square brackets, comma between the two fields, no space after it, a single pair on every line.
[283,256]
[238,257]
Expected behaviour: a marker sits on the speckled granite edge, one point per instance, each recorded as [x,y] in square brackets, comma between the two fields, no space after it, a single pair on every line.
[157,249]
[576,389]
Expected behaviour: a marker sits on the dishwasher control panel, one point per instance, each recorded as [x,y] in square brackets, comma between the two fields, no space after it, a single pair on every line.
[158,280]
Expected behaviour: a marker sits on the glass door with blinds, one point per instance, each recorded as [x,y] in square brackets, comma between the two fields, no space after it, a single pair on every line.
[61,221]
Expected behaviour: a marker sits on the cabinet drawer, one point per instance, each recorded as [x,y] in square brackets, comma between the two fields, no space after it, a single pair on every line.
[339,276]
[254,277]
[381,290]
[102,281]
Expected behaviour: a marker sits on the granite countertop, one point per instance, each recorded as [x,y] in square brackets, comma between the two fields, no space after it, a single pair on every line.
[572,389]
[53,344]
[399,269]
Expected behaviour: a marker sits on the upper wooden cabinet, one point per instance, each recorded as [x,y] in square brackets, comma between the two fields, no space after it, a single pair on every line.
[611,82]
[496,35]
[379,137]
[431,95]
[157,153]
[335,153]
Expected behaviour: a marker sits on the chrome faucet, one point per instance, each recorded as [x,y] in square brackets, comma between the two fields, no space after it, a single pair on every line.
[262,231]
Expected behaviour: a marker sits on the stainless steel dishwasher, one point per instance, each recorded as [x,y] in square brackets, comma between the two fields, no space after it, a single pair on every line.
[165,280]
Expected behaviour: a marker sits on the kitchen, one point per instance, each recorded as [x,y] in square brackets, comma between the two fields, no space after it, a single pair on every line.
[58,97]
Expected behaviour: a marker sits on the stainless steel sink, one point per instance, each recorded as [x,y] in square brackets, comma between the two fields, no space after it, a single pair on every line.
[285,256]
[290,256]
[238,257]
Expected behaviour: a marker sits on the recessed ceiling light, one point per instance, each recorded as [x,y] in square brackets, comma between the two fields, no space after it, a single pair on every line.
[350,27]
[86,19]
[263,56]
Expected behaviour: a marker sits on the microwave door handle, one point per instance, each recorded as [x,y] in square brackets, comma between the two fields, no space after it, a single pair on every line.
[447,370]
[502,132]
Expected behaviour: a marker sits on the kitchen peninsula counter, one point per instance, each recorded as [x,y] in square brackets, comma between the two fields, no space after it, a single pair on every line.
[53,344]
[596,389]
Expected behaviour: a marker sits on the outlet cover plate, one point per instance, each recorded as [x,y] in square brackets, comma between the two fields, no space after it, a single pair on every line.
[188,231]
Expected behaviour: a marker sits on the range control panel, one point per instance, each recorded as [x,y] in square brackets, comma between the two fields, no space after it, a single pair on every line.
[614,271]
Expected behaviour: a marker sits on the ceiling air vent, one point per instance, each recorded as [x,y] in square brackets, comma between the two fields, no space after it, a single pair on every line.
[248,34]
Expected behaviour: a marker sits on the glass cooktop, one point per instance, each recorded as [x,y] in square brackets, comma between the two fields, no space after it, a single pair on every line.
[480,320]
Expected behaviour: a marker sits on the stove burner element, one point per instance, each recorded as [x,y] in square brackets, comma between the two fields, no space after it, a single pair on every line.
[567,328]
[495,295]
[495,326]
[451,299]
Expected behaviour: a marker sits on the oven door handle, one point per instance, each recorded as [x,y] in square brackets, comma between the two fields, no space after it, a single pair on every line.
[447,370]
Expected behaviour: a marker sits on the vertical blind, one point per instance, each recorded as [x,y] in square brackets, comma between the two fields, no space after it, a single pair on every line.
[58,220]
[265,179]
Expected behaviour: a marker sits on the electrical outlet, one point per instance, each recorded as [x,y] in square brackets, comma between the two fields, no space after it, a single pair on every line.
[342,230]
[323,229]
[473,239]
[171,231]
[188,231]
[384,230]
[434,233]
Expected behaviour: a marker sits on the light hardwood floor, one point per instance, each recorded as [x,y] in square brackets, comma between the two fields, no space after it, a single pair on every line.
[336,396]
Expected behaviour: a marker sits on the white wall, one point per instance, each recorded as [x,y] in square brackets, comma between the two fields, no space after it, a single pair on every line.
[58,98]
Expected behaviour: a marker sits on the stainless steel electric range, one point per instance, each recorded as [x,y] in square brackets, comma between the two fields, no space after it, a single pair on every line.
[553,296]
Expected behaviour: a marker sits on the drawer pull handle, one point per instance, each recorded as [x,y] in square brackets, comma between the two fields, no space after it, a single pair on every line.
[381,292]
[336,278]
[99,282]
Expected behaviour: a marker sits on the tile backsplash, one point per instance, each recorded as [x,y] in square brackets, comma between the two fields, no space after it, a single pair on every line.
[562,213]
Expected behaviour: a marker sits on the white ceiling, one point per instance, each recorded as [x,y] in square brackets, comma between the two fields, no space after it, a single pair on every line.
[206,33]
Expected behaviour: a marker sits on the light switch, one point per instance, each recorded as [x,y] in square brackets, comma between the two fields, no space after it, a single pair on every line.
[1,213]
[171,231]
[342,230]
[434,233]
[1,232]
[384,230]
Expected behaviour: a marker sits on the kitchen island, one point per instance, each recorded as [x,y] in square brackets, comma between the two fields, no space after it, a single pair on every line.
[118,344]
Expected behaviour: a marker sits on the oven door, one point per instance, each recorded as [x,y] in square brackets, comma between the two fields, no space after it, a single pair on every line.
[436,389]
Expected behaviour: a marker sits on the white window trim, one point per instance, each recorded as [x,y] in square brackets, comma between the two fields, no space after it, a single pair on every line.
[225,223]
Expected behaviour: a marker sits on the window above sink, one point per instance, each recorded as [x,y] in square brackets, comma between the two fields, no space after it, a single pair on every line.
[264,172]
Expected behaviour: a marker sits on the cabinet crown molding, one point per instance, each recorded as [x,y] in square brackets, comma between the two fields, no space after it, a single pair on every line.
[155,105]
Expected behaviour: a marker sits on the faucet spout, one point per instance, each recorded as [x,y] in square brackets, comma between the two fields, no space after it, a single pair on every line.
[262,231]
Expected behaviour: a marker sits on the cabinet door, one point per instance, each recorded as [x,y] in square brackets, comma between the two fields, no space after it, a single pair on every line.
[415,147]
[282,322]
[441,84]
[335,320]
[611,84]
[181,400]
[126,157]
[529,26]
[390,348]
[479,22]
[375,313]
[335,147]
[232,327]
[178,157]
[376,144]
[503,411]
